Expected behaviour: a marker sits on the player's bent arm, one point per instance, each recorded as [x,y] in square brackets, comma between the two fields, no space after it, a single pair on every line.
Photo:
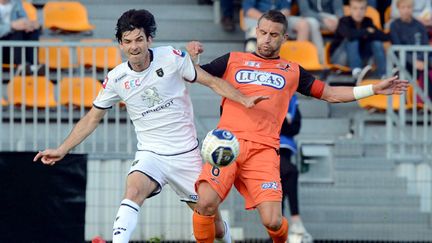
[85,126]
[225,89]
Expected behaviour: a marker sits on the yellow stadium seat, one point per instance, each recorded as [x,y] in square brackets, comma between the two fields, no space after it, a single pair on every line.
[104,56]
[371,12]
[31,91]
[333,66]
[30,10]
[57,55]
[79,91]
[304,53]
[66,16]
[378,102]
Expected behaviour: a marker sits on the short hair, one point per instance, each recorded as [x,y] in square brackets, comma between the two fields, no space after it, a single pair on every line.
[136,19]
[276,17]
[404,1]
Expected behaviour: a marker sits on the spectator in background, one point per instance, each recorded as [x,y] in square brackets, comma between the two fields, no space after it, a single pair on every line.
[322,14]
[356,40]
[289,173]
[297,26]
[227,20]
[407,30]
[14,25]
[421,10]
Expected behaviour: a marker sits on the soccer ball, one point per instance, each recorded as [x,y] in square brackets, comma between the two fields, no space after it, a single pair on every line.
[220,148]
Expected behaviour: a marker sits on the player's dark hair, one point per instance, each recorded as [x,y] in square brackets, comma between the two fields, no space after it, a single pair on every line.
[276,17]
[136,19]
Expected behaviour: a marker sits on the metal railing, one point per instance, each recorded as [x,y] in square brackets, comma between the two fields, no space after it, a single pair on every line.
[28,127]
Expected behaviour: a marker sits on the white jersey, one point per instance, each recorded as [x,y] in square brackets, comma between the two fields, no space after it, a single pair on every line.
[157,100]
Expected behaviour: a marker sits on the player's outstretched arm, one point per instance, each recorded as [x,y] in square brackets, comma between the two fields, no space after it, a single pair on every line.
[225,89]
[387,86]
[82,129]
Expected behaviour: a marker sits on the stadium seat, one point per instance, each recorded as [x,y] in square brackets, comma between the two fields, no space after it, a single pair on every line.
[31,91]
[54,58]
[378,102]
[79,91]
[304,53]
[104,56]
[66,16]
[30,10]
[333,66]
[3,102]
[371,12]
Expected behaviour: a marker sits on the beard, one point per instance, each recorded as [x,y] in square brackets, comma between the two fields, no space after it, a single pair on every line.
[266,51]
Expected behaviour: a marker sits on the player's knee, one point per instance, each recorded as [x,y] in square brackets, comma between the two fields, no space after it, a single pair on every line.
[272,223]
[134,194]
[206,206]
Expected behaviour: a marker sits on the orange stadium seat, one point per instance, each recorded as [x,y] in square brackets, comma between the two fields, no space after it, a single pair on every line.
[31,91]
[304,53]
[104,56]
[3,102]
[330,65]
[371,12]
[378,102]
[79,91]
[67,16]
[30,10]
[57,55]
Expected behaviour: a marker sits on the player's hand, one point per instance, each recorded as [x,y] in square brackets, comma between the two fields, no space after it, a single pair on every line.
[391,86]
[194,48]
[251,101]
[49,156]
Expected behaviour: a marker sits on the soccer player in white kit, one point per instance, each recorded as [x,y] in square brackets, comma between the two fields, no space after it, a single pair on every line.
[152,84]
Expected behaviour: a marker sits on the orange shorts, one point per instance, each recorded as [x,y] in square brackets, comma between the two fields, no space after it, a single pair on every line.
[255,174]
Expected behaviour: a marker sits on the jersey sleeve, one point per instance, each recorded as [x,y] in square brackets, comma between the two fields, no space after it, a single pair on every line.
[184,65]
[107,97]
[309,85]
[218,66]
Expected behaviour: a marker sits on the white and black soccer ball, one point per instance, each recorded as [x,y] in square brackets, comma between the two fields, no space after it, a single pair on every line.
[220,148]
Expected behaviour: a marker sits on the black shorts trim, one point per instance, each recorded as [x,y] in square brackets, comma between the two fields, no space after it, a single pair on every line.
[157,190]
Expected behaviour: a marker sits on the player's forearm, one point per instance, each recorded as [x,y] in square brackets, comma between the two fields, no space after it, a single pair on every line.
[338,94]
[81,130]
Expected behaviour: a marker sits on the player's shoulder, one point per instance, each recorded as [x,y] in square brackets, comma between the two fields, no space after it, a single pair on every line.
[168,52]
[119,72]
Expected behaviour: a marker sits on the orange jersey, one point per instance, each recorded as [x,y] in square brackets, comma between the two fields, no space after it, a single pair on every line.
[253,75]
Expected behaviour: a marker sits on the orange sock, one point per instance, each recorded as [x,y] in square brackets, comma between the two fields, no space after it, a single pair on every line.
[204,228]
[280,235]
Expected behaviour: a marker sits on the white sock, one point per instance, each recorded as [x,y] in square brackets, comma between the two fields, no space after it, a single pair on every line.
[227,235]
[125,221]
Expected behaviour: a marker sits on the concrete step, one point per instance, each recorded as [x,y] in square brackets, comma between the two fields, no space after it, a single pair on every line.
[370,232]
[365,215]
[359,197]
[312,108]
[362,180]
[363,163]
[330,126]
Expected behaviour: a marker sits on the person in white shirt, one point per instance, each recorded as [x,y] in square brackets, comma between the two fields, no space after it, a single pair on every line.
[152,84]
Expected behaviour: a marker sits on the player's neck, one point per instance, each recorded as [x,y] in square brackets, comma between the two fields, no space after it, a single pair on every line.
[141,66]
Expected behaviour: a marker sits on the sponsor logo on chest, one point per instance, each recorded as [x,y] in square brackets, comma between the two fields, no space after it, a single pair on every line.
[274,80]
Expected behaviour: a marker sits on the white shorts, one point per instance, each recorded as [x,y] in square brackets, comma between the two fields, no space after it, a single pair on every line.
[179,171]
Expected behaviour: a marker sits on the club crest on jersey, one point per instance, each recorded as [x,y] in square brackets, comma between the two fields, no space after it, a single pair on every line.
[253,64]
[151,97]
[179,52]
[260,78]
[284,66]
[160,72]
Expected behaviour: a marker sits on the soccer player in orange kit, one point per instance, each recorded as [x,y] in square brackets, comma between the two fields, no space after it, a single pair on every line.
[255,173]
